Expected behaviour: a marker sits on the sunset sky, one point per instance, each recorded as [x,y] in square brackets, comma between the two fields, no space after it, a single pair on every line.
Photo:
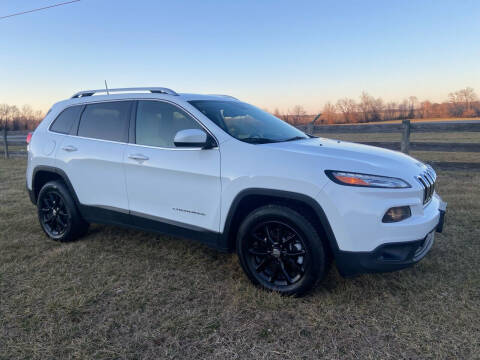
[274,54]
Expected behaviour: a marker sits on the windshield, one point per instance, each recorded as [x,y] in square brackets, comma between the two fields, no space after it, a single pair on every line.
[246,122]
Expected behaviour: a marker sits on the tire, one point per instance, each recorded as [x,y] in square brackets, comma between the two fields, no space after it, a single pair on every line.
[280,250]
[57,213]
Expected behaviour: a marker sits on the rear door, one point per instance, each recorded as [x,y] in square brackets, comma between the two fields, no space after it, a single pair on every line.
[92,157]
[179,186]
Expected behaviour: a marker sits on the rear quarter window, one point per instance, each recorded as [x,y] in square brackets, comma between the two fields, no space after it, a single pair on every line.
[63,124]
[106,121]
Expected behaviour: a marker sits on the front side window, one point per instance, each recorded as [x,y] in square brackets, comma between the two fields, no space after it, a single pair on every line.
[106,121]
[246,122]
[64,122]
[158,122]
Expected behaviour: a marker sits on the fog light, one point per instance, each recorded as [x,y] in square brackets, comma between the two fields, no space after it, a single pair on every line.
[396,214]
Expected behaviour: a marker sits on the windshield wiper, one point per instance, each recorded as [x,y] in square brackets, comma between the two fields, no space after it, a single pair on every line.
[258,140]
[296,138]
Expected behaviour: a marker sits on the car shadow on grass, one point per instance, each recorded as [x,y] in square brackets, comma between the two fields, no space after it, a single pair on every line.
[221,266]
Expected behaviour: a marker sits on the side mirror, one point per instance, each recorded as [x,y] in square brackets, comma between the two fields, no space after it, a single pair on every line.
[193,138]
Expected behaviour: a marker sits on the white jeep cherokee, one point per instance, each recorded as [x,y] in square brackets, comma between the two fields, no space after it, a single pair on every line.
[215,169]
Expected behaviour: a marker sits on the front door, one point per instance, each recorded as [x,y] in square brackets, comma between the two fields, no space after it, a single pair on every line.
[177,186]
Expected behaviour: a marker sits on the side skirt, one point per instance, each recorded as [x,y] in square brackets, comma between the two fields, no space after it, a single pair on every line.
[102,215]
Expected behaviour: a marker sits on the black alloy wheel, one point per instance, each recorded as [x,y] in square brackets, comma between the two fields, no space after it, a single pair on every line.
[54,217]
[276,252]
[58,213]
[280,250]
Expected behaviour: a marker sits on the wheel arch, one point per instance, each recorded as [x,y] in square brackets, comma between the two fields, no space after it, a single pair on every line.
[43,174]
[250,199]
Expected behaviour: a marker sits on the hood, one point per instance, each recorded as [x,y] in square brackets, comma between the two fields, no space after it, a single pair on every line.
[347,156]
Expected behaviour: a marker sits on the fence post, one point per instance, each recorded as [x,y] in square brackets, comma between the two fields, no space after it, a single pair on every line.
[5,143]
[405,145]
[309,128]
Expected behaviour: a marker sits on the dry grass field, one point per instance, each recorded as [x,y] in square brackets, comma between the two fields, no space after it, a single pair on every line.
[124,294]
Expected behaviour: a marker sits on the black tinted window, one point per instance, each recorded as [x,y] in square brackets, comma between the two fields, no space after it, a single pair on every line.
[158,122]
[64,122]
[106,121]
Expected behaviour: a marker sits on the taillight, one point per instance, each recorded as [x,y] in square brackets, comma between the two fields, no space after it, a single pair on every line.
[29,137]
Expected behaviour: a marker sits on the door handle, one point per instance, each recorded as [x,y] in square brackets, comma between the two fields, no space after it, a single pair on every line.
[138,157]
[69,148]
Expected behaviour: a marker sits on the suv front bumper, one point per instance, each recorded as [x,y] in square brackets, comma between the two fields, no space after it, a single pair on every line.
[389,256]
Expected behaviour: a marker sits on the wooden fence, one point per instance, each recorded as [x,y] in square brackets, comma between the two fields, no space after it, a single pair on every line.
[405,128]
[13,138]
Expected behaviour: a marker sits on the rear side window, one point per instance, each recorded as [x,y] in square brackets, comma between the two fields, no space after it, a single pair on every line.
[158,122]
[106,121]
[64,122]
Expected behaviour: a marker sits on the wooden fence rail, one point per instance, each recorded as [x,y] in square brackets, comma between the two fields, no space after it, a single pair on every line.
[447,126]
[405,128]
[13,138]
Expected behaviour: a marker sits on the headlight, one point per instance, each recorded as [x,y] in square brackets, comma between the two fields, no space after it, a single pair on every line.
[365,180]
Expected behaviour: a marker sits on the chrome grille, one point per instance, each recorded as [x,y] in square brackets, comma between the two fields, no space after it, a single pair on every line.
[427,179]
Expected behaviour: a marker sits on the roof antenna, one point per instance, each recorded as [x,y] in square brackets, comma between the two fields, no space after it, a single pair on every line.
[106,87]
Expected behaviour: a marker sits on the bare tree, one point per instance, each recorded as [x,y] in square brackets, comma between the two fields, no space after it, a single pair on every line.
[364,106]
[3,113]
[329,113]
[15,118]
[38,116]
[456,106]
[370,107]
[285,116]
[403,109]
[296,114]
[276,113]
[390,111]
[425,109]
[27,112]
[6,113]
[461,101]
[376,109]
[412,106]
[348,108]
[26,116]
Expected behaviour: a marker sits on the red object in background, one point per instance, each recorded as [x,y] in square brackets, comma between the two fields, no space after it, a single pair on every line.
[29,137]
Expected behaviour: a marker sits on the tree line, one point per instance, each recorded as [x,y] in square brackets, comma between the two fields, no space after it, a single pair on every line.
[461,103]
[24,118]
